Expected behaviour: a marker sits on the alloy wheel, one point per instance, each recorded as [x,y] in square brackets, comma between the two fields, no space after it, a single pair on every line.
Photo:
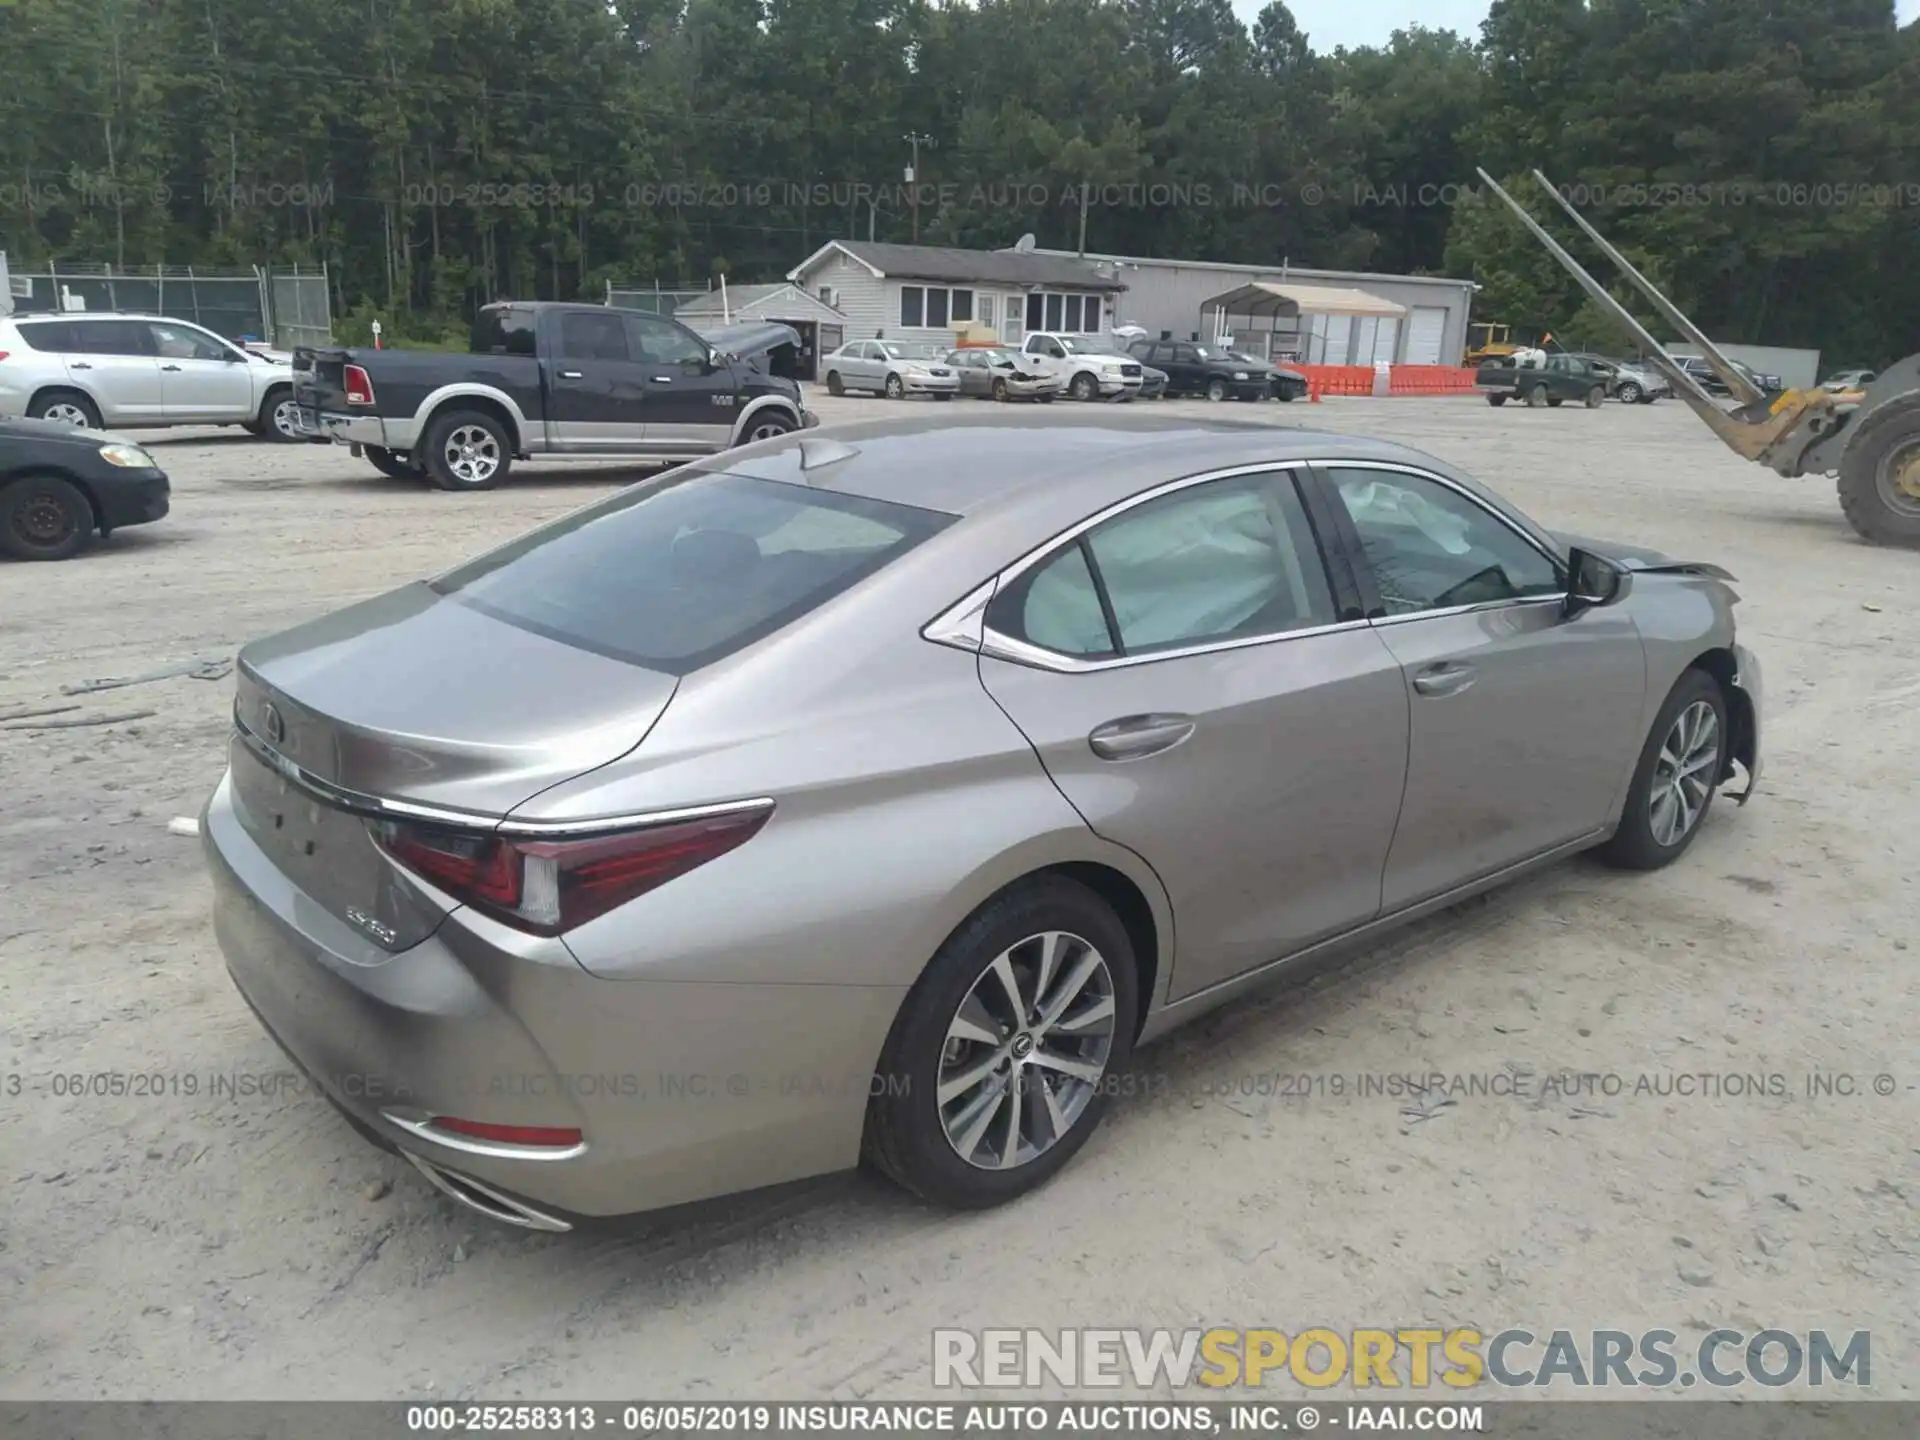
[1026,1051]
[472,454]
[1684,772]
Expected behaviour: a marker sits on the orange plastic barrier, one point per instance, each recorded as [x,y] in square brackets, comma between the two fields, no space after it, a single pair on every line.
[1430,380]
[1337,379]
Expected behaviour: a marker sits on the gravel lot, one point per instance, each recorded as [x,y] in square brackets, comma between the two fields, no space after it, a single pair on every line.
[192,1244]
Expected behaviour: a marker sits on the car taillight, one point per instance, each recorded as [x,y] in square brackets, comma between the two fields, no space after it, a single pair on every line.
[4,354]
[546,886]
[359,387]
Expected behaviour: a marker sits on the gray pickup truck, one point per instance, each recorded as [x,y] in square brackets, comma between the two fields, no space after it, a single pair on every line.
[1559,379]
[557,381]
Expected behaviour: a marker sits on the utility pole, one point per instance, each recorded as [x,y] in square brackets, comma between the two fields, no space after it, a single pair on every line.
[916,140]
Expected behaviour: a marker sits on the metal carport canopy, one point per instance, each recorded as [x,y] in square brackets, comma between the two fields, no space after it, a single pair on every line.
[1264,297]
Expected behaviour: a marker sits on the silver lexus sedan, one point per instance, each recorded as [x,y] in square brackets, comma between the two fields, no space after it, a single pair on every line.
[874,792]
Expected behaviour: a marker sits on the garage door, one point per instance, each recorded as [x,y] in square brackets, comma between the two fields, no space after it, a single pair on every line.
[1426,330]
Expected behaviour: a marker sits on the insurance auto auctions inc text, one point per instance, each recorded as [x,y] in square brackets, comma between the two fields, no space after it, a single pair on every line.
[1413,1357]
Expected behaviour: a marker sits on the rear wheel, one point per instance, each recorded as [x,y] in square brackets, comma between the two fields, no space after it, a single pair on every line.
[396,464]
[834,384]
[1880,478]
[44,517]
[1537,396]
[1674,784]
[65,407]
[279,419]
[466,450]
[993,1076]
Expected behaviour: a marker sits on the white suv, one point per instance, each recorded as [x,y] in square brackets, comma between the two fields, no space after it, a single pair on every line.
[1085,366]
[138,372]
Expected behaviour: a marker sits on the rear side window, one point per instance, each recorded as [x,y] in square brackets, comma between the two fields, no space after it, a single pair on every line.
[53,335]
[679,573]
[502,331]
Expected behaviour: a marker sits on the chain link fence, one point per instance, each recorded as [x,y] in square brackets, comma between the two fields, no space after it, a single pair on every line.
[281,308]
[652,299]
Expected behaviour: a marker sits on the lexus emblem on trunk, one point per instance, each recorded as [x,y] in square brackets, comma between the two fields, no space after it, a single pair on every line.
[271,725]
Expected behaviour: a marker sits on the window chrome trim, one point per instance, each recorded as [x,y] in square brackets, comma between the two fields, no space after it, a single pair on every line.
[1512,604]
[963,624]
[379,807]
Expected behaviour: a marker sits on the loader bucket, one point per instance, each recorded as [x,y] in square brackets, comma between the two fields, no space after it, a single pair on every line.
[1778,434]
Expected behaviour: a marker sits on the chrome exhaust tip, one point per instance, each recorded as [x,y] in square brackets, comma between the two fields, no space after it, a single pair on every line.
[486,1200]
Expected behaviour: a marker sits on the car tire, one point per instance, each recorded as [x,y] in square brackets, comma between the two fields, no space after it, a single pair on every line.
[1048,398]
[896,389]
[1537,396]
[1216,390]
[276,422]
[768,424]
[835,385]
[944,395]
[916,1139]
[1285,397]
[466,450]
[1084,386]
[1596,397]
[44,517]
[1879,484]
[1000,391]
[1629,393]
[66,407]
[1496,401]
[1646,839]
[394,464]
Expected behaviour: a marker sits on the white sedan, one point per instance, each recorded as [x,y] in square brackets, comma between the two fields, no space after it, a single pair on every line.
[892,368]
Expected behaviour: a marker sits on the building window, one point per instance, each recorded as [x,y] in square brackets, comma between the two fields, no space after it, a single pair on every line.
[826,295]
[987,311]
[1036,312]
[931,307]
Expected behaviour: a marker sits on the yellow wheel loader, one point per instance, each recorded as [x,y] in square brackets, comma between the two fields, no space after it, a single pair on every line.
[1869,439]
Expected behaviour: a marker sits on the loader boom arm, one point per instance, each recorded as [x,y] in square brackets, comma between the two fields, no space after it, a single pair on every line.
[1778,435]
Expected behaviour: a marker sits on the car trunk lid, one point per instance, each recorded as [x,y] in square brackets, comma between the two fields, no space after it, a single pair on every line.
[385,708]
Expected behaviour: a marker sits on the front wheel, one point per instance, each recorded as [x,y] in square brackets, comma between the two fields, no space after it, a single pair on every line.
[1216,390]
[1496,401]
[1084,387]
[1000,1062]
[835,386]
[1000,391]
[1675,781]
[896,388]
[394,464]
[767,425]
[467,450]
[1880,478]
[44,517]
[1629,393]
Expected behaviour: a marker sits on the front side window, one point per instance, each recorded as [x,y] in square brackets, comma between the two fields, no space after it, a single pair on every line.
[182,342]
[1230,559]
[665,342]
[1431,548]
[676,574]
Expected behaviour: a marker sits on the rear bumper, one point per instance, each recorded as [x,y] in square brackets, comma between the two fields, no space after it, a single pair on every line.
[343,428]
[682,1090]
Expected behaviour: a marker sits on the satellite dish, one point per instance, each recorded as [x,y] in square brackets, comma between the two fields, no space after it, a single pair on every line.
[1024,245]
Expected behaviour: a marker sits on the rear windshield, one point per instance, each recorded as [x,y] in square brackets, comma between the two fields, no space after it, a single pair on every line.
[678,573]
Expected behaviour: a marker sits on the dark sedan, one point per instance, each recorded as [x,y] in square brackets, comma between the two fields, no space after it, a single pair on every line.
[1282,383]
[59,484]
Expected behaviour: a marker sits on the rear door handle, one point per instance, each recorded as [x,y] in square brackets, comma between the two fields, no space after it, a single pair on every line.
[80,365]
[569,374]
[1445,679]
[662,379]
[1133,737]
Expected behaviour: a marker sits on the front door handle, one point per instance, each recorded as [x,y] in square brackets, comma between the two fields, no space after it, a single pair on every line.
[1444,679]
[1133,737]
[174,368]
[662,379]
[569,374]
[80,365]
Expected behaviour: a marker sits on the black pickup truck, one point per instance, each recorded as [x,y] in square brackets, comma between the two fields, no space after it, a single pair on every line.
[1555,381]
[558,381]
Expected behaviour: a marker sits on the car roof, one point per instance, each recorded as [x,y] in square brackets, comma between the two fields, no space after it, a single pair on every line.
[971,465]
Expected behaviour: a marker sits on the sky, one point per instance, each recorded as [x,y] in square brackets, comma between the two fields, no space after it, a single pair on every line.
[1332,23]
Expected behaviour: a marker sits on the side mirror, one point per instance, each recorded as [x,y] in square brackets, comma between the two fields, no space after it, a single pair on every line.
[1592,582]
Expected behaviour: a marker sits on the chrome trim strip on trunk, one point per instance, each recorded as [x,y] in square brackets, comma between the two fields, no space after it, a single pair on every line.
[378,807]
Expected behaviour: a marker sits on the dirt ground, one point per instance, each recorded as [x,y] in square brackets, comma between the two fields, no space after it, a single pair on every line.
[192,1244]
